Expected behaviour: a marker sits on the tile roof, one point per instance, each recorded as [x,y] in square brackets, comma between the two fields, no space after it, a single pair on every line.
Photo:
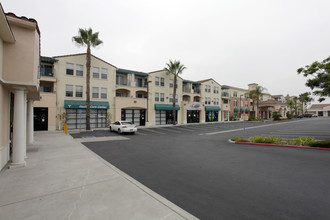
[314,106]
[79,54]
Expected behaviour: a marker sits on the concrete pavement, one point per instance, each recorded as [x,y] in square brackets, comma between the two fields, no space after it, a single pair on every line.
[65,180]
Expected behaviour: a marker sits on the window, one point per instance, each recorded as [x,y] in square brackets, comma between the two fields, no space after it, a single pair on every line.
[162,81]
[235,94]
[162,99]
[157,81]
[139,95]
[69,90]
[216,90]
[103,93]
[246,104]
[156,97]
[95,94]
[225,101]
[171,83]
[171,98]
[79,70]
[216,101]
[69,69]
[207,88]
[104,73]
[121,80]
[79,91]
[45,89]
[96,72]
[235,103]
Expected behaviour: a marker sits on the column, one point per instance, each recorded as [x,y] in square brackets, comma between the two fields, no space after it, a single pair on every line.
[29,135]
[19,143]
[25,124]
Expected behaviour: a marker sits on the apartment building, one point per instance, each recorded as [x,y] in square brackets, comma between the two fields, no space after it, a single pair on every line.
[321,110]
[71,91]
[19,85]
[45,108]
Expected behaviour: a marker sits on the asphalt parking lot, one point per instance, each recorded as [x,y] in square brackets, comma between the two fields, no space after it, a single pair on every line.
[195,167]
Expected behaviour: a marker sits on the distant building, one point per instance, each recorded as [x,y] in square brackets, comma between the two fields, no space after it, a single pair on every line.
[320,110]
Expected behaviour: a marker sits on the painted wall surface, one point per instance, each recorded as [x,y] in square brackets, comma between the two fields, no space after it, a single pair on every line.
[25,52]
[48,100]
[63,80]
[4,125]
[1,57]
[212,95]
[166,90]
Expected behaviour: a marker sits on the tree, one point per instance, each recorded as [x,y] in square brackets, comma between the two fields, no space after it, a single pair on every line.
[320,81]
[305,98]
[295,99]
[175,68]
[290,103]
[86,37]
[255,94]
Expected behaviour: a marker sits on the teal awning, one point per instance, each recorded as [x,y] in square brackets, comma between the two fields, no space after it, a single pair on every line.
[247,110]
[82,104]
[242,110]
[194,83]
[212,108]
[48,59]
[131,72]
[166,107]
[269,110]
[236,110]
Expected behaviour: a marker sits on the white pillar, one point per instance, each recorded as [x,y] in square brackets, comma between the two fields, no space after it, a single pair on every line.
[29,134]
[25,117]
[19,143]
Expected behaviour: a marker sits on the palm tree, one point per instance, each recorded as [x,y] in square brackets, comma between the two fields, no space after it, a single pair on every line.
[253,98]
[86,37]
[175,68]
[256,94]
[304,99]
[295,99]
[290,103]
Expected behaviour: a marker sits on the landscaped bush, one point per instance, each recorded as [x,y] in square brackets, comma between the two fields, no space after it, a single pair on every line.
[276,116]
[252,118]
[267,140]
[303,141]
[325,144]
[289,115]
[240,139]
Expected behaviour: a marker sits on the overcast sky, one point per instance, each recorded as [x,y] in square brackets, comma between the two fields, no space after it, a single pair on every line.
[235,42]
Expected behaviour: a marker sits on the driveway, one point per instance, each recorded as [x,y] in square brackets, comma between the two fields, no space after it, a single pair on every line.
[196,168]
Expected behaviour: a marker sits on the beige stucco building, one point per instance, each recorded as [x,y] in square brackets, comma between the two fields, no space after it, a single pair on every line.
[321,110]
[19,85]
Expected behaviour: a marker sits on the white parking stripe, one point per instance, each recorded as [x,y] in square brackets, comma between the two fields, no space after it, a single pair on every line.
[241,129]
[164,129]
[157,132]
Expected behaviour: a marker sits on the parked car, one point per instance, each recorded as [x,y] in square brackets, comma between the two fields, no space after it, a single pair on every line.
[308,115]
[123,127]
[314,115]
[298,116]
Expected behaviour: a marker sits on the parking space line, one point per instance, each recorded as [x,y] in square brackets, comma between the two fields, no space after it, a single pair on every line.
[150,130]
[139,132]
[186,129]
[164,129]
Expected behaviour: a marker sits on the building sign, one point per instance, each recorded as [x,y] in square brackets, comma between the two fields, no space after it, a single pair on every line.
[195,107]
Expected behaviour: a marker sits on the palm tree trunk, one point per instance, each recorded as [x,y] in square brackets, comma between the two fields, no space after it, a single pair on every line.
[258,108]
[174,98]
[88,98]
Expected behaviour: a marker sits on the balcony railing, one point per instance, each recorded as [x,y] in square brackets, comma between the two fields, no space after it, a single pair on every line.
[48,74]
[187,90]
[197,91]
[225,94]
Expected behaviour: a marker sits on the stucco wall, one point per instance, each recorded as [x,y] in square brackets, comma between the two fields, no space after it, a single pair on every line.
[1,57]
[63,80]
[48,100]
[25,52]
[4,125]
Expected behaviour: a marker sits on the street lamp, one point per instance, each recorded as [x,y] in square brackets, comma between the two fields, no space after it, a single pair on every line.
[148,100]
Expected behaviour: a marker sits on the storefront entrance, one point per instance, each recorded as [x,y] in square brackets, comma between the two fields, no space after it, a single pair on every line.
[76,118]
[136,116]
[40,116]
[165,117]
[193,116]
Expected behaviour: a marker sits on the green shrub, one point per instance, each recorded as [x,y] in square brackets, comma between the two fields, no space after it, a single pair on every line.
[252,118]
[303,141]
[325,144]
[276,116]
[257,139]
[267,140]
[289,115]
[241,139]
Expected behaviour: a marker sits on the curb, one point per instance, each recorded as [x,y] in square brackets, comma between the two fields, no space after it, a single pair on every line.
[279,145]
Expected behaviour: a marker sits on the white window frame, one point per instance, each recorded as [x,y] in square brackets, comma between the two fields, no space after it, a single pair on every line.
[162,97]
[162,81]
[156,81]
[104,73]
[94,94]
[79,69]
[82,90]
[171,83]
[68,90]
[69,66]
[104,93]
[156,97]
[96,72]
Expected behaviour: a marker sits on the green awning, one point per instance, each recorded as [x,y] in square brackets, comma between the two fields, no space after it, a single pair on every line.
[247,110]
[212,108]
[269,110]
[236,110]
[82,104]
[131,72]
[194,83]
[166,107]
[48,59]
[242,110]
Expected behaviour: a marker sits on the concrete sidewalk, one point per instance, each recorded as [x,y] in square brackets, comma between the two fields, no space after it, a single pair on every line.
[65,180]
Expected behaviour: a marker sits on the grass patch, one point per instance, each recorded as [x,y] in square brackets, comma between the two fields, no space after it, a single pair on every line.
[240,139]
[325,144]
[267,140]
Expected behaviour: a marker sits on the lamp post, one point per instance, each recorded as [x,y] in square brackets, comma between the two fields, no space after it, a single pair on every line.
[148,100]
[240,106]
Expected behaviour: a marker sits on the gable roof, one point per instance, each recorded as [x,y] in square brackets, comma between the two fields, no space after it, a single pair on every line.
[315,106]
[79,54]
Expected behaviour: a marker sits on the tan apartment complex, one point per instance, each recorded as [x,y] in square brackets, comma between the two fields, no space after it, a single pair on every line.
[19,85]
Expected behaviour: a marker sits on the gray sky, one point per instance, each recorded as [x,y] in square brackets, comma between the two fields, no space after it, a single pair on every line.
[234,42]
